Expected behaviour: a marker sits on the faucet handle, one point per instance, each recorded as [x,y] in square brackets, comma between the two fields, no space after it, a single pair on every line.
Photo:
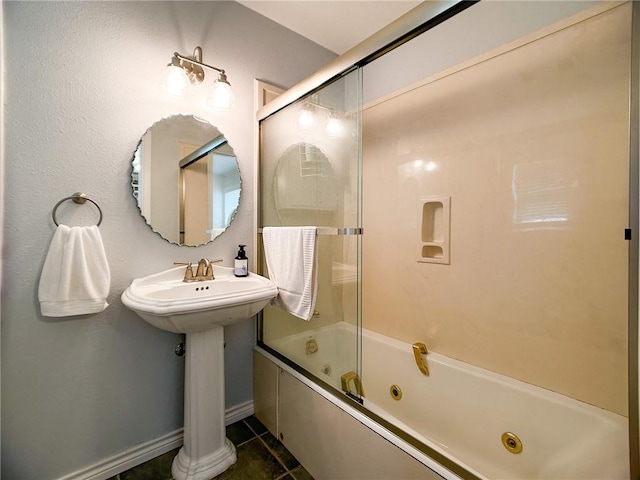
[188,273]
[209,271]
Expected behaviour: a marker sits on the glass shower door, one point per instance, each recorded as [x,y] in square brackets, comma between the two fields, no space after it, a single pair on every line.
[310,173]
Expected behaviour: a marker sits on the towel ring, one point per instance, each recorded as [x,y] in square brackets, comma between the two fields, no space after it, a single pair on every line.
[79,198]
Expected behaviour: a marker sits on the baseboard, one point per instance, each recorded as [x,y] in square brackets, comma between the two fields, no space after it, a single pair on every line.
[129,458]
[238,412]
[110,467]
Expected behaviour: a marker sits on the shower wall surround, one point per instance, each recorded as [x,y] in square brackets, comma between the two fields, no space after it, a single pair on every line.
[531,145]
[80,88]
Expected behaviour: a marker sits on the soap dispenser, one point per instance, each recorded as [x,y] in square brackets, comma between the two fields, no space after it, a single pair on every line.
[241,264]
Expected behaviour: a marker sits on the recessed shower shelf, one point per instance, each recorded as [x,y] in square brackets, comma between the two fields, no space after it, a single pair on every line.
[435,228]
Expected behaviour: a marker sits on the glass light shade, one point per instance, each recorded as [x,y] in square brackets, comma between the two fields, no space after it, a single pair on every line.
[307,118]
[334,127]
[174,80]
[221,96]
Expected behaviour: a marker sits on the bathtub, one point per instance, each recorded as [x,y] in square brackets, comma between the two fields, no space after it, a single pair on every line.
[461,412]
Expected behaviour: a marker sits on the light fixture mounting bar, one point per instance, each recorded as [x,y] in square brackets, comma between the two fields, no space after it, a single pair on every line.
[318,105]
[196,62]
[314,102]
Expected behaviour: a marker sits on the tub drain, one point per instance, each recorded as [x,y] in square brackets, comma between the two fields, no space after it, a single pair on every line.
[511,442]
[396,392]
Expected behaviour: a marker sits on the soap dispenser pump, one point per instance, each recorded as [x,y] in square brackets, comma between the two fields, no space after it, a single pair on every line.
[241,264]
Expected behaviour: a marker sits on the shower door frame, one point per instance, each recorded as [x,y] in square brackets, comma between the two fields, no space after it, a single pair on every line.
[634,245]
[419,20]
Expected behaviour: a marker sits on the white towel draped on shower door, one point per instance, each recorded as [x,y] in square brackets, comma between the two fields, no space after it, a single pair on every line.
[292,262]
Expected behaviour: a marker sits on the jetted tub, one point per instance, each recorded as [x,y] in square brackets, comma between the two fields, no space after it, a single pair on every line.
[462,411]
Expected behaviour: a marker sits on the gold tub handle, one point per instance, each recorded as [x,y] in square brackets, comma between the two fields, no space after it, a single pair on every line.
[419,349]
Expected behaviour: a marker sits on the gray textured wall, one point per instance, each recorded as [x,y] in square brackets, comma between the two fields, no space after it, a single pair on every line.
[81,87]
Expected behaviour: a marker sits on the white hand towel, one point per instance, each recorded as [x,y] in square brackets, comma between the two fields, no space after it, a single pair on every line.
[292,262]
[75,278]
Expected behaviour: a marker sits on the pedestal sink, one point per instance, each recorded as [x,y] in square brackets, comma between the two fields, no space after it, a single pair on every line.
[200,310]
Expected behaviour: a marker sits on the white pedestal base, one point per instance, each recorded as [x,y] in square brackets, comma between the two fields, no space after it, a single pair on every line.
[204,468]
[206,451]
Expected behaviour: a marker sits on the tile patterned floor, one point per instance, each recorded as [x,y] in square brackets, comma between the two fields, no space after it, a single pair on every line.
[260,457]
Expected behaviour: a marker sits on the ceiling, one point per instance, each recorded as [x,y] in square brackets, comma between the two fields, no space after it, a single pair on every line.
[336,25]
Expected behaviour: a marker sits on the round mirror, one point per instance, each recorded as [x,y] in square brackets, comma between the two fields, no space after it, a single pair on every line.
[186,180]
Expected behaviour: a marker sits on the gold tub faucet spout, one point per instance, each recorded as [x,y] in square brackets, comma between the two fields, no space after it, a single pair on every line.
[420,349]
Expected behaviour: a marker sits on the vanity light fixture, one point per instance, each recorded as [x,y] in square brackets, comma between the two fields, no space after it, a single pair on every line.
[185,71]
[308,114]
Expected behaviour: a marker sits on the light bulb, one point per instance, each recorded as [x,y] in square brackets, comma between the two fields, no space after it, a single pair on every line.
[175,80]
[221,95]
[334,127]
[307,118]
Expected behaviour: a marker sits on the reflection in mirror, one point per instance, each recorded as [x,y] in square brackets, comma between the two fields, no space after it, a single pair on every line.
[305,186]
[186,180]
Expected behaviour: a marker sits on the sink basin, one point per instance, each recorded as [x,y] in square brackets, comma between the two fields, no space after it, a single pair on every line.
[168,303]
